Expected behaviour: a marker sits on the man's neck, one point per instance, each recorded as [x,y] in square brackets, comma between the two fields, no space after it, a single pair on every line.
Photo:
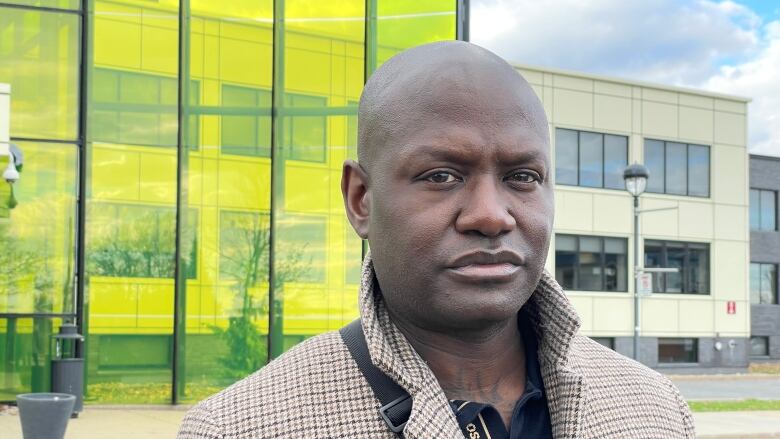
[486,366]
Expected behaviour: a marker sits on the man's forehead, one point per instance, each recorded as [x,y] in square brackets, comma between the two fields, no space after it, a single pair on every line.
[451,81]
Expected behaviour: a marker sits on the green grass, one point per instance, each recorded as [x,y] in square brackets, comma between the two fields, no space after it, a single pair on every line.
[736,405]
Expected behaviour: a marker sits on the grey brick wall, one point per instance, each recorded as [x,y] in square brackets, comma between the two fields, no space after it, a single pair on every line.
[765,247]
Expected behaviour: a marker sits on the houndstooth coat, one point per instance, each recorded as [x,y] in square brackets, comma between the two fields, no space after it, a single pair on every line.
[315,390]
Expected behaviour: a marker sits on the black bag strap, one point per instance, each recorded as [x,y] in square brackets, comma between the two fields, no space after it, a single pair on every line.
[396,402]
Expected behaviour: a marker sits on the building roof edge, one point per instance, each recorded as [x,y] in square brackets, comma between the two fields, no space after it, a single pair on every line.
[625,81]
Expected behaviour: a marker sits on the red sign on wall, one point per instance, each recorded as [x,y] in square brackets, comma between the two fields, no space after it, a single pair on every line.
[731,307]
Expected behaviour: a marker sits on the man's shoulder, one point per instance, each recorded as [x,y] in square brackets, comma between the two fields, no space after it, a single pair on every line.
[621,388]
[309,374]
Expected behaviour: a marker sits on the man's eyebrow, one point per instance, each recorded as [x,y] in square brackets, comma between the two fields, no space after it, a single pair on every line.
[462,153]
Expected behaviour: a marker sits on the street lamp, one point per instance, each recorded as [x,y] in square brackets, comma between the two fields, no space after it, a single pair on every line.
[635,177]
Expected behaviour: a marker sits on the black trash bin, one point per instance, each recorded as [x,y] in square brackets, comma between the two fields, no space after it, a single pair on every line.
[67,371]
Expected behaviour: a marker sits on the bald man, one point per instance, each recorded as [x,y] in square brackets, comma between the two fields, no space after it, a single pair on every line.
[461,332]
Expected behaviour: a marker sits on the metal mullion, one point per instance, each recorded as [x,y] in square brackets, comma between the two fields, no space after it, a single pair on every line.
[603,261]
[81,203]
[77,141]
[577,264]
[277,89]
[77,11]
[180,281]
[462,20]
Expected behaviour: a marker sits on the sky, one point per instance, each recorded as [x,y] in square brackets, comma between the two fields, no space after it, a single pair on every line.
[730,47]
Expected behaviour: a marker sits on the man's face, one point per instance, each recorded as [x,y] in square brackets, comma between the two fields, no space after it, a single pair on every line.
[461,210]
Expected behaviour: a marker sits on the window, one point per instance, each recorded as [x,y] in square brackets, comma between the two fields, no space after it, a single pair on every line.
[137,241]
[139,109]
[677,168]
[763,283]
[591,263]
[246,130]
[759,346]
[304,137]
[763,209]
[607,342]
[693,260]
[590,159]
[678,350]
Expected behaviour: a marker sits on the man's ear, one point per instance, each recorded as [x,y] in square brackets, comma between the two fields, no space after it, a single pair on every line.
[357,200]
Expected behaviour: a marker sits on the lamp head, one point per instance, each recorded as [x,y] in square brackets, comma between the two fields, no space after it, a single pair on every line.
[635,176]
[11,175]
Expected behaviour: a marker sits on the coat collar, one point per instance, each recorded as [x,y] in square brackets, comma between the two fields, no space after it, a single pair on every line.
[554,320]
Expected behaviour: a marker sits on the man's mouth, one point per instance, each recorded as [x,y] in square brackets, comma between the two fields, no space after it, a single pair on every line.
[486,266]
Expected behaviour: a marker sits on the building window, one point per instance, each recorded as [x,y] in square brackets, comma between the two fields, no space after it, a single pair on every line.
[244,246]
[692,260]
[677,168]
[305,135]
[759,346]
[589,159]
[139,109]
[763,209]
[763,283]
[591,263]
[130,240]
[607,342]
[246,124]
[678,350]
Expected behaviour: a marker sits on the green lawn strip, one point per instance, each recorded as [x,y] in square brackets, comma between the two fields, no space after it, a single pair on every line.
[736,405]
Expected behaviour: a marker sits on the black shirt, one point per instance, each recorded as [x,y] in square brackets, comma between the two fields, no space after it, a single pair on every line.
[530,417]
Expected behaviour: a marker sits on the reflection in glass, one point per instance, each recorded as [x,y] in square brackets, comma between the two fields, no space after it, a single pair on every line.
[654,162]
[566,260]
[591,159]
[39,57]
[37,236]
[768,210]
[615,264]
[678,350]
[615,160]
[759,346]
[590,267]
[676,168]
[131,219]
[566,157]
[698,170]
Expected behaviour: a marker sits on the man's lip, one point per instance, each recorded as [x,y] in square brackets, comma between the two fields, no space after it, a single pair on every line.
[487,258]
[501,272]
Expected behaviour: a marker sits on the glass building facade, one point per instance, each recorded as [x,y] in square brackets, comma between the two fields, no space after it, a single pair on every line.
[180,190]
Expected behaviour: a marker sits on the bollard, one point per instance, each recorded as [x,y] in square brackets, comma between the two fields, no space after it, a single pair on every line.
[44,415]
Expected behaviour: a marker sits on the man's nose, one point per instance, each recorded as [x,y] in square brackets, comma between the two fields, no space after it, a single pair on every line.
[485,210]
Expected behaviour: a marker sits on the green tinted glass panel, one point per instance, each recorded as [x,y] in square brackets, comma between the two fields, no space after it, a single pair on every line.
[408,23]
[39,58]
[323,70]
[59,4]
[25,355]
[131,209]
[38,231]
[229,176]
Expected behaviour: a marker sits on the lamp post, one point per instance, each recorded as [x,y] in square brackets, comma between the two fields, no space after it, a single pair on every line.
[635,177]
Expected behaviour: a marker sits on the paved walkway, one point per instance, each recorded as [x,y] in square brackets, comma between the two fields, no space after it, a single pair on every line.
[728,387]
[163,422]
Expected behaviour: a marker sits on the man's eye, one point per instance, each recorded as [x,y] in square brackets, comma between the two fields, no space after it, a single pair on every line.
[441,177]
[524,177]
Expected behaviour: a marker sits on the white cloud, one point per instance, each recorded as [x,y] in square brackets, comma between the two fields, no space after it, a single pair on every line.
[758,78]
[664,41]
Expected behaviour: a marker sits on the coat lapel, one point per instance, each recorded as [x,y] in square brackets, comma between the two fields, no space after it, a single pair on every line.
[555,323]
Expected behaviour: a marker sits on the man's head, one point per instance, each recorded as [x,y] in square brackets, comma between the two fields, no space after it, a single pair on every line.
[453,190]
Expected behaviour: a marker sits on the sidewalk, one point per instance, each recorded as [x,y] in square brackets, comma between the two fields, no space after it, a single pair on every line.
[101,422]
[162,422]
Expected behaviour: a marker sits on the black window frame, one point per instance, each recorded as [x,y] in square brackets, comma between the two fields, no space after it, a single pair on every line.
[603,158]
[687,168]
[660,278]
[607,342]
[696,350]
[776,286]
[750,348]
[602,262]
[759,191]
